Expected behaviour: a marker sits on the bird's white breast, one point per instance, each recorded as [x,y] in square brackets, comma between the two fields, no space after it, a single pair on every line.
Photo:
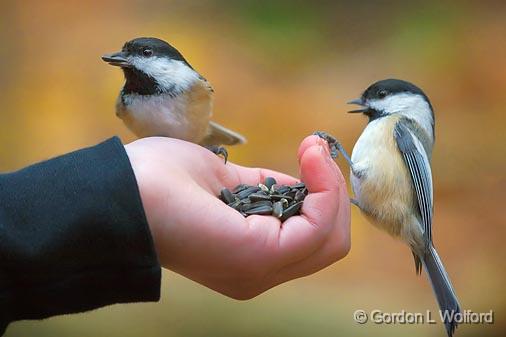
[156,115]
[370,150]
[382,185]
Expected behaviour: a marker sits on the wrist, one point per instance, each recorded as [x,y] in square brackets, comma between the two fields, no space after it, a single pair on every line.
[138,166]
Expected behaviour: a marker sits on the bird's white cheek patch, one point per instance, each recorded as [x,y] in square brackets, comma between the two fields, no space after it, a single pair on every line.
[410,105]
[169,74]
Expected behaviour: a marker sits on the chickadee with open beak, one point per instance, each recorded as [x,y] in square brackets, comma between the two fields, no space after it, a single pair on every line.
[392,179]
[164,96]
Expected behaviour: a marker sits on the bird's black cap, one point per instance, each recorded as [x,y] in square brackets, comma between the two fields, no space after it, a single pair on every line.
[158,48]
[383,88]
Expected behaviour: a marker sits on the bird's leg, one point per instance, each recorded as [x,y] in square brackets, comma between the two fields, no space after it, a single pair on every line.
[355,202]
[218,150]
[335,148]
[331,140]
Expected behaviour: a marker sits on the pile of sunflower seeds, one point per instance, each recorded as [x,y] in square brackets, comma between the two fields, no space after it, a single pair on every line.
[269,198]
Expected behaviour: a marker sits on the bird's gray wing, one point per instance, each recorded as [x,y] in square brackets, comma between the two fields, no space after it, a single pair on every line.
[417,162]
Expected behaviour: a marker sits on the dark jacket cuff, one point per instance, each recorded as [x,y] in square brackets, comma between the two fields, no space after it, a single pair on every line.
[74,236]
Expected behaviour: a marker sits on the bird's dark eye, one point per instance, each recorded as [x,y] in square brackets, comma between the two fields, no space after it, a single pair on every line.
[147,52]
[382,93]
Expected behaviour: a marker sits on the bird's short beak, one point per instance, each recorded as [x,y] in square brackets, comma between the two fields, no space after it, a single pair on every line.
[358,101]
[117,59]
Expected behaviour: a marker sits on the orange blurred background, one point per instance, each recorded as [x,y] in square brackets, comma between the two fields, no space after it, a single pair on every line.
[282,69]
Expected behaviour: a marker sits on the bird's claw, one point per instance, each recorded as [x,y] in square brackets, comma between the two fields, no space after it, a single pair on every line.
[334,145]
[219,151]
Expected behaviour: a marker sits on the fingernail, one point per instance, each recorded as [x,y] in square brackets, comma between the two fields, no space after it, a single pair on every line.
[325,149]
[321,141]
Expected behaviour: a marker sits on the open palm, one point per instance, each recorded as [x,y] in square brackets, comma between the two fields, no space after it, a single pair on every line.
[200,237]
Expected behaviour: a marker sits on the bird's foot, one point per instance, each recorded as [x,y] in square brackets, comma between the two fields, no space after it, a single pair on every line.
[219,151]
[335,148]
[334,145]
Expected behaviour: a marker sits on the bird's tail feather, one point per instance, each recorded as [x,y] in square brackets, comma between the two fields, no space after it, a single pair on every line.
[445,295]
[220,135]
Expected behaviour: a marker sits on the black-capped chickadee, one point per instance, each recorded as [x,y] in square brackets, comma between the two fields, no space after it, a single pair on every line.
[164,96]
[392,180]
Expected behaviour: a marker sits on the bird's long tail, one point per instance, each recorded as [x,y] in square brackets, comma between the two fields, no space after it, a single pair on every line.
[446,298]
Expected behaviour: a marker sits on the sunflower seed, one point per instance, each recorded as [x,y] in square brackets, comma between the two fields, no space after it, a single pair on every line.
[277,209]
[298,185]
[269,198]
[269,182]
[258,196]
[262,210]
[263,188]
[278,197]
[262,203]
[235,204]
[299,196]
[291,211]
[227,196]
[291,193]
[282,189]
[239,188]
[245,193]
[246,207]
[245,201]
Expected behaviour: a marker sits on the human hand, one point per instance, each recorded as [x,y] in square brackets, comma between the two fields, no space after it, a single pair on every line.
[200,237]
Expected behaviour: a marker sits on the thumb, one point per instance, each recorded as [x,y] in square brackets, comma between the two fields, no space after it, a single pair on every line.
[317,169]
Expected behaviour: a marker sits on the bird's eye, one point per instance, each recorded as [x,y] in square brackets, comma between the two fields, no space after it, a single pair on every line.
[382,93]
[147,52]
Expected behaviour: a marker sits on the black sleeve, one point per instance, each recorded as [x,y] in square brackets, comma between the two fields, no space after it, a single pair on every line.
[74,236]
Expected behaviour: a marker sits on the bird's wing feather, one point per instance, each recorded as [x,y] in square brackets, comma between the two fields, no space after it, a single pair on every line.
[220,135]
[417,162]
[202,103]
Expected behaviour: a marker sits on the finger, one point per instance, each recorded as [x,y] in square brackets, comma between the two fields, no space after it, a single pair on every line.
[320,175]
[328,190]
[322,178]
[308,142]
[336,247]
[301,236]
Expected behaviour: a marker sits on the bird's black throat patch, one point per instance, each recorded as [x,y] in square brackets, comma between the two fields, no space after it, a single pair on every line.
[140,83]
[374,114]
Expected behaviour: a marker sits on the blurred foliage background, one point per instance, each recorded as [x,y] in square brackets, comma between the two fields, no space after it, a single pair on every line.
[282,69]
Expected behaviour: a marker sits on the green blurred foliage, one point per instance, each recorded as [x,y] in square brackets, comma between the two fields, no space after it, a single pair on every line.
[282,69]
